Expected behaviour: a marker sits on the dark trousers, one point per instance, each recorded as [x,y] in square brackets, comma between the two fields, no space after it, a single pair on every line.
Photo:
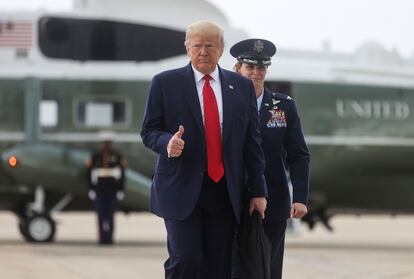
[275,231]
[105,207]
[200,246]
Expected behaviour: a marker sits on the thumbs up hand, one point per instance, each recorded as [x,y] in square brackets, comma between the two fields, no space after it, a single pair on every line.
[176,144]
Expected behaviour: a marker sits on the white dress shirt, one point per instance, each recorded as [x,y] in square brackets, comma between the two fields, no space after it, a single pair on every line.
[216,86]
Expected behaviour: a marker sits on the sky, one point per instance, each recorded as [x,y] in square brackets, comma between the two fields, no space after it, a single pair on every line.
[305,24]
[344,24]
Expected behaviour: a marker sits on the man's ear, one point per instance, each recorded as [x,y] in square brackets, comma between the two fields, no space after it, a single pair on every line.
[222,50]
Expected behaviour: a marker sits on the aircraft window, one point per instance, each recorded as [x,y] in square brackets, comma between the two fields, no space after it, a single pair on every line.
[98,114]
[102,113]
[103,40]
[48,113]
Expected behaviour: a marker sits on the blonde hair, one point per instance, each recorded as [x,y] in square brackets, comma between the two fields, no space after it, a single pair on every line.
[204,27]
[237,67]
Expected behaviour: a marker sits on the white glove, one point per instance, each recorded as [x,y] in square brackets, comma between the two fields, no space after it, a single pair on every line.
[92,195]
[120,195]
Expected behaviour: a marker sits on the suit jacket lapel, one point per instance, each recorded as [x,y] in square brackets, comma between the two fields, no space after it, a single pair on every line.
[191,96]
[228,95]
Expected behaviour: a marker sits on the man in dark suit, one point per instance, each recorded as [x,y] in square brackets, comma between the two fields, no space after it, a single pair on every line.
[283,145]
[202,122]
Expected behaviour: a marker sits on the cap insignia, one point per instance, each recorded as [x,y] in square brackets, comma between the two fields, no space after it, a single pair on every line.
[258,46]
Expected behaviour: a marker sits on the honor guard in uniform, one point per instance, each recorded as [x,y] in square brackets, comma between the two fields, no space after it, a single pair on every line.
[283,145]
[106,186]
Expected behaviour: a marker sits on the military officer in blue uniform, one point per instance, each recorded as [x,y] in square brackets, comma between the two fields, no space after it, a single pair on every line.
[106,186]
[283,145]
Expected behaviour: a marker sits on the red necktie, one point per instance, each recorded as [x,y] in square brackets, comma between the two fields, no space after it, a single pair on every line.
[215,165]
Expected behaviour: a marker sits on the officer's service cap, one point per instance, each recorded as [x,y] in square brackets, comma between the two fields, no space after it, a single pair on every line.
[106,136]
[254,51]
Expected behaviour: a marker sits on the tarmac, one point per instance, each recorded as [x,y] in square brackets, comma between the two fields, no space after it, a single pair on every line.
[367,247]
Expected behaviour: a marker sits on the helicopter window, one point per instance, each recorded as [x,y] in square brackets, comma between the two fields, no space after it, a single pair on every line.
[48,113]
[104,40]
[102,113]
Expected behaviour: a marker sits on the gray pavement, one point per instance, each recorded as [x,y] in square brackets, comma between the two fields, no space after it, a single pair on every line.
[368,247]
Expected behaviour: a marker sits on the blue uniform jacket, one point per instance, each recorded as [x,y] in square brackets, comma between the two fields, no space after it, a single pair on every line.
[284,148]
[177,182]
